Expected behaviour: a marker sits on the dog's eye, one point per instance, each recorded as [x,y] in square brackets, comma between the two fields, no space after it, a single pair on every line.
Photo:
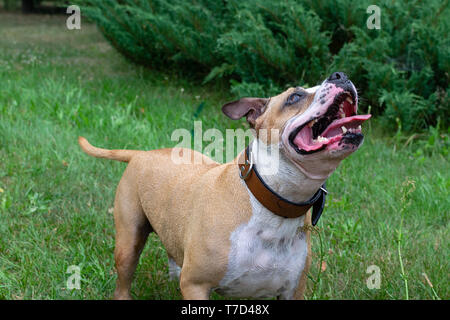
[295,97]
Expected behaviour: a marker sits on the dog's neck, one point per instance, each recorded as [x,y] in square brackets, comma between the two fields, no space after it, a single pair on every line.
[286,178]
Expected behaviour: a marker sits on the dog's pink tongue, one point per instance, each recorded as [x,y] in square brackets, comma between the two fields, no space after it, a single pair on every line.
[333,133]
[304,141]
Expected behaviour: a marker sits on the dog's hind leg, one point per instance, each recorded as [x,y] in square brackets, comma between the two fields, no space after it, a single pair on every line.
[132,230]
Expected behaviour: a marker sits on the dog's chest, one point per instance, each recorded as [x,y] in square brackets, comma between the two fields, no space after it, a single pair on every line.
[266,258]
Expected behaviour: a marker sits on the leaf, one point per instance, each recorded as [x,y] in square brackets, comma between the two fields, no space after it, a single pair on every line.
[218,72]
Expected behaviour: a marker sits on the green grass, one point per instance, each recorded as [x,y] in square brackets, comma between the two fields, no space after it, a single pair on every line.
[57,84]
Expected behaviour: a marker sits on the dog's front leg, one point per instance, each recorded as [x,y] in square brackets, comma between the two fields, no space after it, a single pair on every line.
[193,290]
[300,291]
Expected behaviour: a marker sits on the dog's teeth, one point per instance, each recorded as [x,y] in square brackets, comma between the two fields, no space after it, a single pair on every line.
[311,123]
[322,139]
[349,100]
[342,115]
[344,129]
[359,127]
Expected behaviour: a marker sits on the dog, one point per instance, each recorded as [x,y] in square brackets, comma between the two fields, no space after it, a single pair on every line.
[223,231]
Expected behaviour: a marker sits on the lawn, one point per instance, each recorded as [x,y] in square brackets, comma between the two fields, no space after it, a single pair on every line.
[55,202]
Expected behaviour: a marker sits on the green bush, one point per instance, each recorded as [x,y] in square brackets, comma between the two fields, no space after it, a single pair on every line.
[263,46]
[10,5]
[162,34]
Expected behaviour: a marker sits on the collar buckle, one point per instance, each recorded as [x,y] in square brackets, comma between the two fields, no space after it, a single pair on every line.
[242,168]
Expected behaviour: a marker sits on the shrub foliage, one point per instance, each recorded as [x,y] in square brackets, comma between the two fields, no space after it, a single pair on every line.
[263,46]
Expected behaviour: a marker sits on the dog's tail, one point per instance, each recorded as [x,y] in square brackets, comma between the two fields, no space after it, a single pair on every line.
[119,155]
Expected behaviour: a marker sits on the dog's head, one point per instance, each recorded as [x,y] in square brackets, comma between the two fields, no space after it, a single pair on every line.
[315,125]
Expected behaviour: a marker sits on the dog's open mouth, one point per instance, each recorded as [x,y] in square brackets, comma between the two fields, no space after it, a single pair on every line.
[339,122]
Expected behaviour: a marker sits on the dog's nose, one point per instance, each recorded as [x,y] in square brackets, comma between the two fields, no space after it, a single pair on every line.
[338,77]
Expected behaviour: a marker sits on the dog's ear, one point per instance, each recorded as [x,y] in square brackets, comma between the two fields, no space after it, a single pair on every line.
[250,107]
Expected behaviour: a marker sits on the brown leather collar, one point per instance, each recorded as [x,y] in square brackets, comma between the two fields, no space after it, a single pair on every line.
[273,201]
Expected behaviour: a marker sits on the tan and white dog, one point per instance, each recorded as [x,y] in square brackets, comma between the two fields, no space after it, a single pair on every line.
[214,229]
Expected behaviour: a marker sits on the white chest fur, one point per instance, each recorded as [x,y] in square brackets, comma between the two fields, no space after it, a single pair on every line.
[267,256]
